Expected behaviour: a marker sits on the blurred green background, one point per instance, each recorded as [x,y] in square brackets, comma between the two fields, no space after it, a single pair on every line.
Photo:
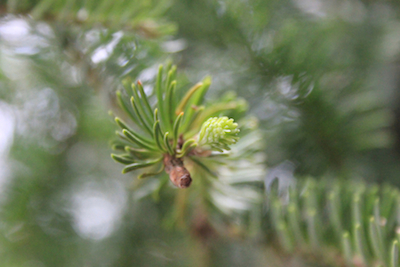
[322,77]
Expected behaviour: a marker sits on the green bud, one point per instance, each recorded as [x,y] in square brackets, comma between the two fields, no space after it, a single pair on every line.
[218,133]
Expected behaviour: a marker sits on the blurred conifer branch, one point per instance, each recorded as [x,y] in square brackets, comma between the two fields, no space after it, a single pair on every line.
[143,16]
[341,223]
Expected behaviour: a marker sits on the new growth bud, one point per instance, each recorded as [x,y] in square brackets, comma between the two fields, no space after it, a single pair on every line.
[218,133]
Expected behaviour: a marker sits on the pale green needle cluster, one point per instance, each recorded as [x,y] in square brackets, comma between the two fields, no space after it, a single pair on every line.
[218,133]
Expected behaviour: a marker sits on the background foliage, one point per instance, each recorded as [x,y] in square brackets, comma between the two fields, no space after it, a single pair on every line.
[321,77]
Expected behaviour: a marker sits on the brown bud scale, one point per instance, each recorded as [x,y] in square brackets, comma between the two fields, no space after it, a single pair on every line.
[178,174]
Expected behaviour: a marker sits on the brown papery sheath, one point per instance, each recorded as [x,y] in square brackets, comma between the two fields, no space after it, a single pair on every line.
[178,174]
